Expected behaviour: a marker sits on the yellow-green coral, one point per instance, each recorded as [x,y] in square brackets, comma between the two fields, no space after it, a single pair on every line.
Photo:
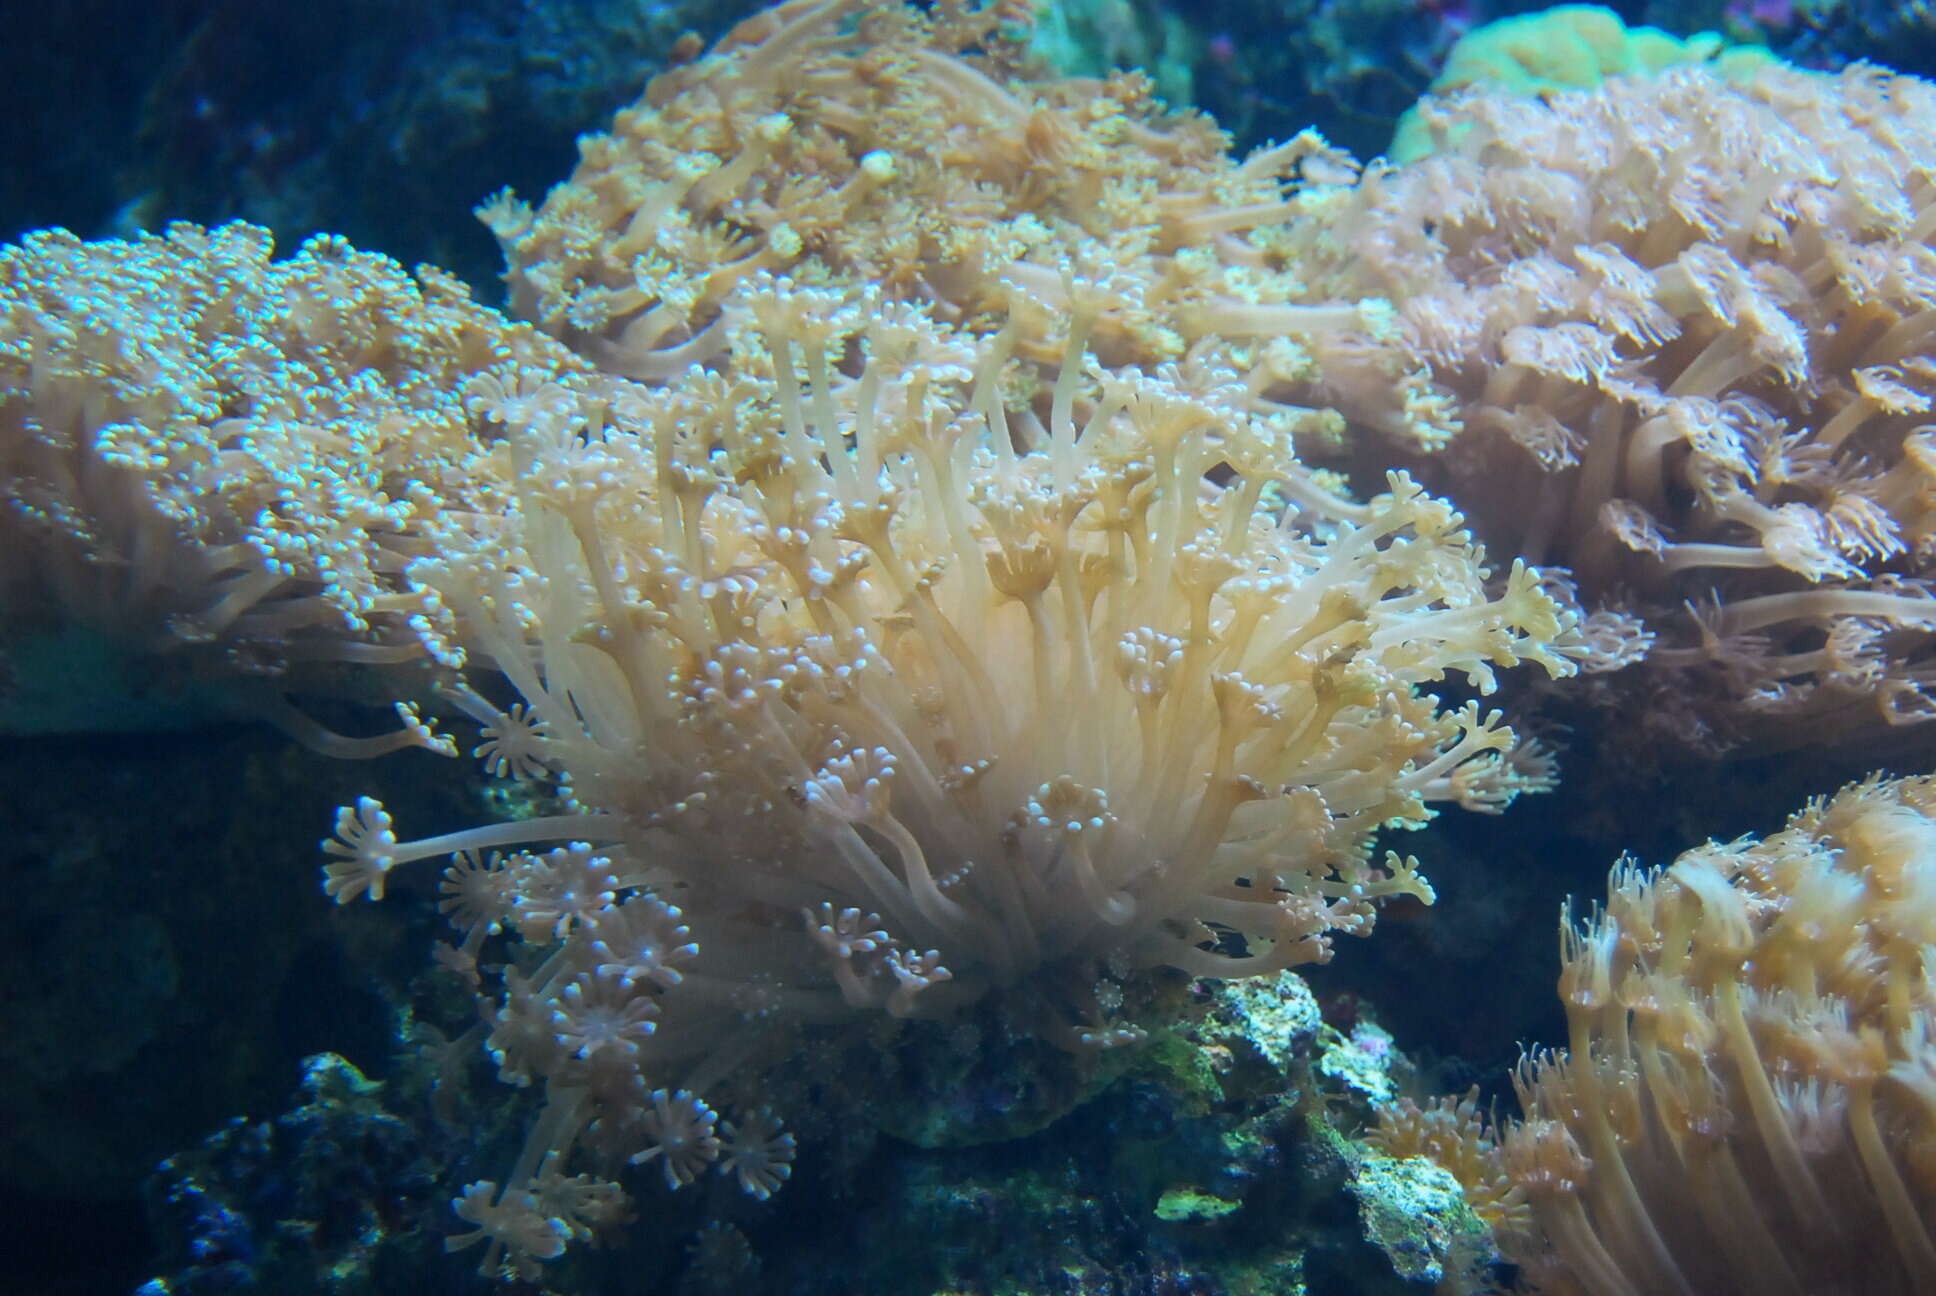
[1568,47]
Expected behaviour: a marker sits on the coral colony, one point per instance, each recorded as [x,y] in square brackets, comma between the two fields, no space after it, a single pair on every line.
[947,534]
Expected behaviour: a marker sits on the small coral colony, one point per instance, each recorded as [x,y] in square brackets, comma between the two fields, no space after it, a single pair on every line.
[944,533]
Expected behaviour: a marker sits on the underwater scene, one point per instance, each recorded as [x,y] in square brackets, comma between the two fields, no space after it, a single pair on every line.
[971,648]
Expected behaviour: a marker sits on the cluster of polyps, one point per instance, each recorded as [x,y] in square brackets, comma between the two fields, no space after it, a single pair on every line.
[905,690]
